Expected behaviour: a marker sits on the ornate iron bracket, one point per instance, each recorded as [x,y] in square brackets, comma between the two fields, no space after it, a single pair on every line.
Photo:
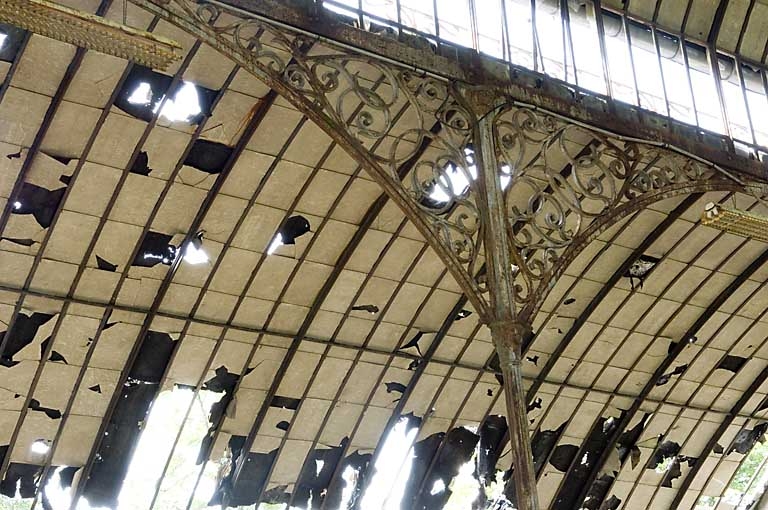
[334,88]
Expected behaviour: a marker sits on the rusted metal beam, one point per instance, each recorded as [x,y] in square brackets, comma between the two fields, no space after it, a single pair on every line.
[468,66]
[626,419]
[606,288]
[715,438]
[507,333]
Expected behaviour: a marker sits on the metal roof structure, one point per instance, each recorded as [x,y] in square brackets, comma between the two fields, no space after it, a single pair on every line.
[643,340]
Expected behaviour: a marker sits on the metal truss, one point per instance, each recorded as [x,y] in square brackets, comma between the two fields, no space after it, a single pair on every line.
[534,188]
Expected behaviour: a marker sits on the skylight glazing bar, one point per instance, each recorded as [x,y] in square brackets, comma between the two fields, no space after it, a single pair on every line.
[687,66]
[655,38]
[568,41]
[715,71]
[535,39]
[628,41]
[744,102]
[597,12]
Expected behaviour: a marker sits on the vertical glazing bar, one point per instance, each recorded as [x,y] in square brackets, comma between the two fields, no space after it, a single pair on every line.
[473,26]
[399,18]
[568,40]
[687,66]
[598,10]
[506,44]
[715,72]
[360,14]
[625,25]
[437,25]
[655,38]
[535,37]
[743,84]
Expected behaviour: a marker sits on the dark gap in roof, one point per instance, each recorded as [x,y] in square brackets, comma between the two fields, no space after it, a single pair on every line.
[359,463]
[153,358]
[533,359]
[22,334]
[611,503]
[365,308]
[732,363]
[422,456]
[316,476]
[14,155]
[21,479]
[489,392]
[40,202]
[746,439]
[627,442]
[155,248]
[105,265]
[664,450]
[494,435]
[223,382]
[283,425]
[285,402]
[396,387]
[65,179]
[252,478]
[463,314]
[19,241]
[718,449]
[140,165]
[122,432]
[640,269]
[563,456]
[295,226]
[584,467]
[114,456]
[536,404]
[626,447]
[414,343]
[95,388]
[50,412]
[542,444]
[64,160]
[55,356]
[152,87]
[208,156]
[67,475]
[763,405]
[158,86]
[569,301]
[277,495]
[458,447]
[673,472]
[665,378]
[671,347]
[14,38]
[414,364]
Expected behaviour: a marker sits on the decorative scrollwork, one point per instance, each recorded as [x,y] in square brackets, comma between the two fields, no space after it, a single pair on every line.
[564,178]
[408,125]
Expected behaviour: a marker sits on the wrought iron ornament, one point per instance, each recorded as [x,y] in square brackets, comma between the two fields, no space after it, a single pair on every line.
[564,183]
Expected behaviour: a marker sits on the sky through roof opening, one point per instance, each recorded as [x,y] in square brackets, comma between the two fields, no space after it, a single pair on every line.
[183,107]
[393,467]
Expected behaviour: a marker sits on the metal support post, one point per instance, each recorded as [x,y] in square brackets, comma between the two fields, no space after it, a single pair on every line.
[506,331]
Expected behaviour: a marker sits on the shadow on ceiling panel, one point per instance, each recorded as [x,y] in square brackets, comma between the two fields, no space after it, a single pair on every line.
[733,24]
[756,33]
[700,18]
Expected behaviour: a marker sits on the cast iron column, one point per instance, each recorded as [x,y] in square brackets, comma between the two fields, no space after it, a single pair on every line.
[507,332]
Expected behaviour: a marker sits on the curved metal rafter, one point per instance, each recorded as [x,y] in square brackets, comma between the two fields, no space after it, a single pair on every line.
[553,215]
[329,88]
[627,417]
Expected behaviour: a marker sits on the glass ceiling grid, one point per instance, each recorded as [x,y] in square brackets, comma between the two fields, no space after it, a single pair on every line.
[634,62]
